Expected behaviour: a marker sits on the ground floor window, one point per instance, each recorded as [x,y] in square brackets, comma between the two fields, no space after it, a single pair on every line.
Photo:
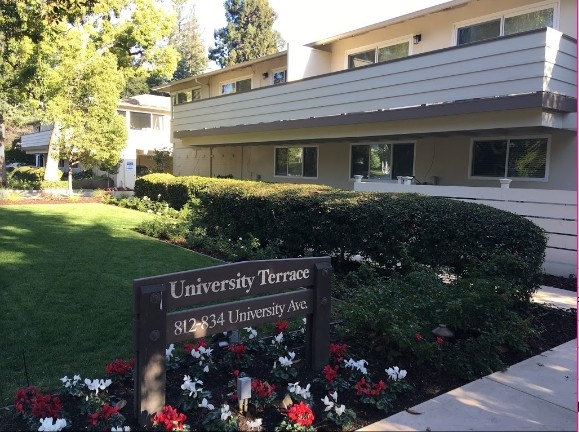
[382,161]
[512,158]
[296,161]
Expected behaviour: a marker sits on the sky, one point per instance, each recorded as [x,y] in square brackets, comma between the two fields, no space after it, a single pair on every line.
[303,21]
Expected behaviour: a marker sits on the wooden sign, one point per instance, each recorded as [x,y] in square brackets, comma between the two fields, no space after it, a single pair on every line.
[306,286]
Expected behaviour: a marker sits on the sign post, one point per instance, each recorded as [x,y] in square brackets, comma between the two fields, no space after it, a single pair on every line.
[155,325]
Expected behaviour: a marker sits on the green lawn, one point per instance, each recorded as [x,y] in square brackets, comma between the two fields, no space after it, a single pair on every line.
[66,273]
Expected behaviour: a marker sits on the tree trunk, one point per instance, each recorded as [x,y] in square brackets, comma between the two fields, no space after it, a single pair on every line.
[4,180]
[69,178]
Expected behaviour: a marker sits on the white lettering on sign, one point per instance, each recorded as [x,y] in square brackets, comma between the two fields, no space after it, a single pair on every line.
[181,288]
[268,278]
[235,316]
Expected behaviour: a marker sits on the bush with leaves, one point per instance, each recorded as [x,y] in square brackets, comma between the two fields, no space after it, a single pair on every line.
[397,315]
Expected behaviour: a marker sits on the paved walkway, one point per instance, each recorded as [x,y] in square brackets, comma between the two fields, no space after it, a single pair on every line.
[538,394]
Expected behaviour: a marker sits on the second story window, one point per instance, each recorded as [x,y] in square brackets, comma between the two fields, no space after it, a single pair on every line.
[140,121]
[238,86]
[279,76]
[506,24]
[379,54]
[187,96]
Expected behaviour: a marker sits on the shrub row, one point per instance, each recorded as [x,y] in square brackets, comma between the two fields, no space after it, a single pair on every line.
[391,231]
[396,315]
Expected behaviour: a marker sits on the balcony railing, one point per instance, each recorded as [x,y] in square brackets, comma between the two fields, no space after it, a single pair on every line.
[541,60]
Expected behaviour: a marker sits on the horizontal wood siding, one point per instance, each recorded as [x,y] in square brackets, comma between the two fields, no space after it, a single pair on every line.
[525,63]
[553,210]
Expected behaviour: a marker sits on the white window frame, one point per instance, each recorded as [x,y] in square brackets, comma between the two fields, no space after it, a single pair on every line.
[189,90]
[508,138]
[555,5]
[234,80]
[413,142]
[377,46]
[274,71]
[302,147]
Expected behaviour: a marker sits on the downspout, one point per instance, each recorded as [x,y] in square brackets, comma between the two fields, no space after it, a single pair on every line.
[210,161]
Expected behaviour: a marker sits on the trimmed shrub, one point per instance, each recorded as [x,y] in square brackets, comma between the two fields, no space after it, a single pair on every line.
[397,315]
[393,232]
[27,177]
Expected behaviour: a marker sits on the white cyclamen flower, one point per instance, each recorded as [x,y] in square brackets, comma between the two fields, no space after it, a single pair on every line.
[278,339]
[285,362]
[97,384]
[225,413]
[169,351]
[121,429]
[395,373]
[191,386]
[252,332]
[256,424]
[359,365]
[205,404]
[328,403]
[46,424]
[340,409]
[295,388]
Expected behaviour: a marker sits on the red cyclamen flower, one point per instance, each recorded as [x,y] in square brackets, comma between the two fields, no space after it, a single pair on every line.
[46,406]
[200,343]
[338,351]
[439,340]
[280,326]
[419,337]
[262,388]
[169,418]
[238,350]
[330,373]
[301,414]
[120,367]
[368,389]
[106,412]
[24,398]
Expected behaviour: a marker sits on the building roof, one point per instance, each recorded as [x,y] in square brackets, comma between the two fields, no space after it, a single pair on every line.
[193,78]
[147,101]
[396,20]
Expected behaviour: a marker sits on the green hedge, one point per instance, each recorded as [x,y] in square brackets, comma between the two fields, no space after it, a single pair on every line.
[176,191]
[392,231]
[27,177]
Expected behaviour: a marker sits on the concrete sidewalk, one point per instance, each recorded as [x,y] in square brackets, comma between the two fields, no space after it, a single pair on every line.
[538,394]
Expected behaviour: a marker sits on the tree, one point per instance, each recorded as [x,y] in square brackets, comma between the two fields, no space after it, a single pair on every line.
[22,26]
[186,39]
[100,42]
[83,94]
[248,34]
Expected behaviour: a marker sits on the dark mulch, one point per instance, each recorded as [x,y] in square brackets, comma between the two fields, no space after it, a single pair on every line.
[567,283]
[553,326]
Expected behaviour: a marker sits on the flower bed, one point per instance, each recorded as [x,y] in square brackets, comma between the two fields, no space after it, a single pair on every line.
[350,392]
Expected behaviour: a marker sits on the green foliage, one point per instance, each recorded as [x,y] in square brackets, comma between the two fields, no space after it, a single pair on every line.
[162,157]
[186,39]
[396,233]
[26,177]
[161,228]
[248,34]
[397,315]
[53,185]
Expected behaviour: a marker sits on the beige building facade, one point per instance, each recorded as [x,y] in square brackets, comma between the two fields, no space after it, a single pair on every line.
[463,93]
